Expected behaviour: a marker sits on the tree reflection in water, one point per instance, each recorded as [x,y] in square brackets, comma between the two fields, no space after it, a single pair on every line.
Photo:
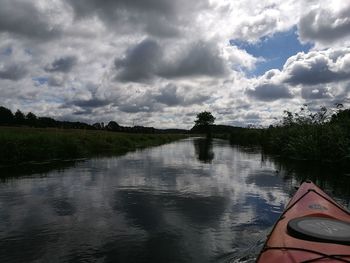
[204,149]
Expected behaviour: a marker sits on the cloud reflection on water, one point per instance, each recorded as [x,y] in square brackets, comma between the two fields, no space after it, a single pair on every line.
[158,204]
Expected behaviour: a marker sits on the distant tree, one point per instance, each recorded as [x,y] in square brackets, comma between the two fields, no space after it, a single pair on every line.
[31,119]
[98,126]
[113,126]
[6,116]
[204,118]
[203,122]
[19,117]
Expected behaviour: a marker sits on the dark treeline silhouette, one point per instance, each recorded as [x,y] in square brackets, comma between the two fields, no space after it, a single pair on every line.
[7,118]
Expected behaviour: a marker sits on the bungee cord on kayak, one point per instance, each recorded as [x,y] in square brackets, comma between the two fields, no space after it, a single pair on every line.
[323,256]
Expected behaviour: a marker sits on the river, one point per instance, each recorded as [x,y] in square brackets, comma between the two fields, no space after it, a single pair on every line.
[189,201]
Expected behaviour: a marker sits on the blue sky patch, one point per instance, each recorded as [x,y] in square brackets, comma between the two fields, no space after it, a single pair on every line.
[7,51]
[40,80]
[275,50]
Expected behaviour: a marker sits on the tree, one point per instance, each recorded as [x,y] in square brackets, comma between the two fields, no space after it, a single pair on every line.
[203,123]
[6,116]
[31,119]
[204,118]
[113,126]
[19,117]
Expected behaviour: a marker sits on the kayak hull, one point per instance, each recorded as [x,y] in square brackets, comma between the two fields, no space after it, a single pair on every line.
[309,201]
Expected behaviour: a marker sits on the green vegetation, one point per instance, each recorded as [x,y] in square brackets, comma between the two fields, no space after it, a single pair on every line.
[23,144]
[321,136]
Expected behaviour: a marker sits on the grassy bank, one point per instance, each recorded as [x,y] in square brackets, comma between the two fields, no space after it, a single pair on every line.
[32,144]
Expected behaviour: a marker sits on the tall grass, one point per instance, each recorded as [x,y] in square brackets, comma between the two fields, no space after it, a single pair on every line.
[30,144]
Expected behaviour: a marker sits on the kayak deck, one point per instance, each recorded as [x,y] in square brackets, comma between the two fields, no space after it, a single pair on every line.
[309,202]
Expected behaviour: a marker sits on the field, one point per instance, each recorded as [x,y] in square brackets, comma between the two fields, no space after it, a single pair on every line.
[19,144]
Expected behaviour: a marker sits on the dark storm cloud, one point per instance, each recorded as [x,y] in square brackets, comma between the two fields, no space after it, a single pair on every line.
[325,26]
[269,92]
[146,60]
[64,64]
[140,62]
[13,72]
[23,18]
[156,17]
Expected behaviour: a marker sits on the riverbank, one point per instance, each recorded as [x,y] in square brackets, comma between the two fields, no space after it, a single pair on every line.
[300,137]
[22,144]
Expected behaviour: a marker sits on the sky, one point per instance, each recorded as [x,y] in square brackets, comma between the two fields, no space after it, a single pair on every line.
[160,62]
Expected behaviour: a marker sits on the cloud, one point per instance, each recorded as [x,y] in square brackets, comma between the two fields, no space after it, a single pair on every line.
[159,60]
[147,60]
[55,81]
[159,18]
[169,96]
[269,92]
[325,25]
[315,93]
[91,103]
[24,18]
[318,67]
[201,58]
[64,64]
[313,72]
[257,26]
[13,72]
[140,62]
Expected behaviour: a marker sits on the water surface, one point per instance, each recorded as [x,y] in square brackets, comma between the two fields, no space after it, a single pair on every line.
[189,201]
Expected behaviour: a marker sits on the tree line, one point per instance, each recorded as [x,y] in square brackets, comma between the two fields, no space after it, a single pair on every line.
[7,118]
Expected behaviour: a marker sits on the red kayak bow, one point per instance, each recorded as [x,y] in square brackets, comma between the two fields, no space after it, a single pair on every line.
[313,228]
